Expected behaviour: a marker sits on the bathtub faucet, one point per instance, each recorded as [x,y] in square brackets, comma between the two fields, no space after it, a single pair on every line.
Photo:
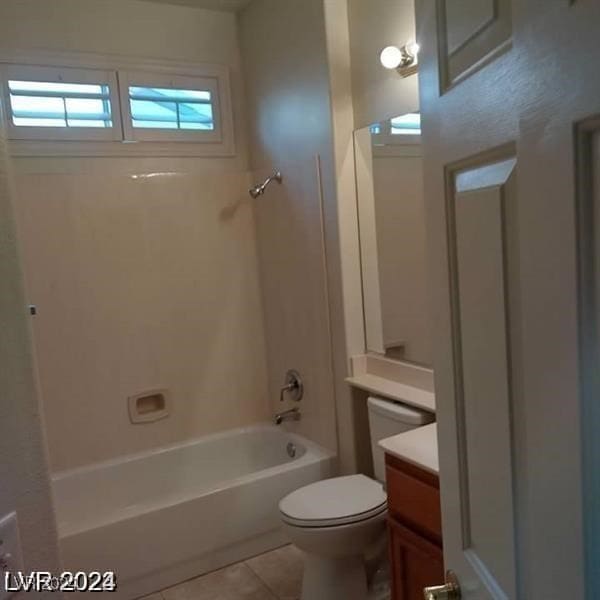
[293,386]
[288,415]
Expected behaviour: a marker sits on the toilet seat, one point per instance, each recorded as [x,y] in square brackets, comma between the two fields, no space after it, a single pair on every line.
[334,502]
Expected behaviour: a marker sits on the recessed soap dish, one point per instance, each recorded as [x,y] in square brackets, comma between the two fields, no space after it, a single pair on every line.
[149,407]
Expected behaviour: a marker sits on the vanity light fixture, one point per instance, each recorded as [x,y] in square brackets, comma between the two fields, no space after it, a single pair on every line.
[405,60]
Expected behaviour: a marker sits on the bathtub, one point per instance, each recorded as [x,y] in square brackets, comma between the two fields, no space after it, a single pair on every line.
[176,512]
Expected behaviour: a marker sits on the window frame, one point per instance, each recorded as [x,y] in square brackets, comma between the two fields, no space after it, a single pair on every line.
[62,75]
[129,79]
[122,145]
[386,139]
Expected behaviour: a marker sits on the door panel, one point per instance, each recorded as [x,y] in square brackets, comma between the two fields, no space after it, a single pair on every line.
[588,213]
[471,32]
[465,20]
[478,218]
[530,395]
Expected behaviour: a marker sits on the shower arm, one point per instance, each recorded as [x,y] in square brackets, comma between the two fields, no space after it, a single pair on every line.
[259,190]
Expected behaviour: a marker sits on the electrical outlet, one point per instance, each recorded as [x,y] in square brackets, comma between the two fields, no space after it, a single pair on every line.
[11,555]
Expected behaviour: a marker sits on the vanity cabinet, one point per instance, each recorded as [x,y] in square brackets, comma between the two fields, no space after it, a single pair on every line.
[415,529]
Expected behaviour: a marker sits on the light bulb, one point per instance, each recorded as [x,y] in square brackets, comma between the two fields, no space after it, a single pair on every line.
[413,48]
[391,57]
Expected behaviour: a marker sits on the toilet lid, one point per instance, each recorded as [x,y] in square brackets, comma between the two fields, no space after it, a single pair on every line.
[336,501]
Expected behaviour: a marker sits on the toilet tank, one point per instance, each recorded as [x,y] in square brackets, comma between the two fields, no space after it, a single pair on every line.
[388,418]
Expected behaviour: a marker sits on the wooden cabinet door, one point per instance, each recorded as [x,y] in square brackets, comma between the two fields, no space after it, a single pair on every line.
[414,498]
[415,563]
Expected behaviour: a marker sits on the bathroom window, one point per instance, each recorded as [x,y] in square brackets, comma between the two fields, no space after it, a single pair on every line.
[160,108]
[49,104]
[109,106]
[409,124]
[163,107]
[399,131]
[66,104]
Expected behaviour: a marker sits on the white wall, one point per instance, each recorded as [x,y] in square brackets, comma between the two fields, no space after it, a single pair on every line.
[287,85]
[348,330]
[140,282]
[24,484]
[378,93]
[297,65]
[134,29]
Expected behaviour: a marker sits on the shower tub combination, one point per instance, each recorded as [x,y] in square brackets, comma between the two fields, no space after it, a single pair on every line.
[170,514]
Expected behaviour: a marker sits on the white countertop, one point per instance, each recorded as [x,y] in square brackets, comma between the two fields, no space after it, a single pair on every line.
[418,446]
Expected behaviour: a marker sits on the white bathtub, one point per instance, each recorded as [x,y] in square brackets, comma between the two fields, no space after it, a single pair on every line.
[173,513]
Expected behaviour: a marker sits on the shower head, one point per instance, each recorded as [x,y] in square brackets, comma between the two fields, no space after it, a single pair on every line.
[259,190]
[256,191]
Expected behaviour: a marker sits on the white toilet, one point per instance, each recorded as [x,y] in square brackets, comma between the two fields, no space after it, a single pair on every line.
[338,522]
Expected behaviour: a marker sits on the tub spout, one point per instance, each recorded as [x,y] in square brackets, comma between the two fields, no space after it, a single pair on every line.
[288,415]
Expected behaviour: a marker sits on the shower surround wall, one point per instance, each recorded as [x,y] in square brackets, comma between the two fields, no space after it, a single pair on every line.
[287,86]
[25,486]
[142,283]
[144,270]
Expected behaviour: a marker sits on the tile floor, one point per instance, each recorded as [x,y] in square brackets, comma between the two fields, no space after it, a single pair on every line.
[276,575]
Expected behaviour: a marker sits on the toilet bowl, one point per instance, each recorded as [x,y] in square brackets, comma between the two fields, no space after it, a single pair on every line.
[335,522]
[338,522]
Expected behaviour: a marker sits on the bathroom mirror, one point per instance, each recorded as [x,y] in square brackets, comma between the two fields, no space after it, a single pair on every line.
[389,175]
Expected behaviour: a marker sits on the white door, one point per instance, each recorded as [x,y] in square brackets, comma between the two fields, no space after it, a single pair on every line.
[510,97]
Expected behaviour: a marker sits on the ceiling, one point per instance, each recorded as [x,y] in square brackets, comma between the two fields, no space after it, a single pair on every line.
[225,5]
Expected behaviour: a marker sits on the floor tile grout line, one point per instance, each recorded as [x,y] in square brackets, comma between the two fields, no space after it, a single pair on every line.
[265,584]
[263,581]
[160,594]
[275,595]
